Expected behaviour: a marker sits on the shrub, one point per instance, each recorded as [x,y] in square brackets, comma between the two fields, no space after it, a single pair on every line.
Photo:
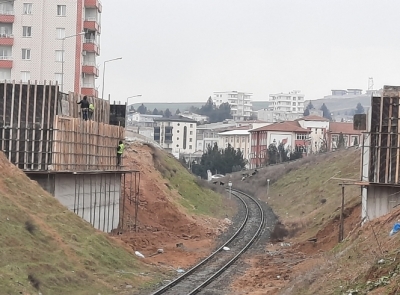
[30,227]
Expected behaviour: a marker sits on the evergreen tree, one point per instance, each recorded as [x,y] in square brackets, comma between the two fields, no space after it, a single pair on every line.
[359,109]
[142,109]
[167,113]
[272,154]
[326,112]
[219,161]
[308,108]
[155,111]
[177,112]
[341,142]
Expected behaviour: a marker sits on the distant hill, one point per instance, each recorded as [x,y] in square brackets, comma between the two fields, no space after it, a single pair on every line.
[339,105]
[336,104]
[182,106]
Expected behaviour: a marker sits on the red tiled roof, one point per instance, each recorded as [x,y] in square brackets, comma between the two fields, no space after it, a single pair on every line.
[288,126]
[344,127]
[312,118]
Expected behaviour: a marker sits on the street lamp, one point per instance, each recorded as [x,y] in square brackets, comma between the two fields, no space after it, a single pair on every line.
[126,108]
[230,189]
[62,58]
[104,72]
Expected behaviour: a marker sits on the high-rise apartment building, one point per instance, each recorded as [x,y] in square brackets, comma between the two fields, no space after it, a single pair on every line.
[37,42]
[240,102]
[292,102]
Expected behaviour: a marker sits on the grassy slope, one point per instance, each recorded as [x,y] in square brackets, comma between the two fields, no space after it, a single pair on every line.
[196,197]
[297,188]
[64,252]
[299,195]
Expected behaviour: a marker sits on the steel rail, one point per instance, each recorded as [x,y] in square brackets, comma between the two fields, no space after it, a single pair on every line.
[212,255]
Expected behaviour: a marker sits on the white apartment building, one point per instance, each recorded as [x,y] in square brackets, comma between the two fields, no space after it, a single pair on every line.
[37,42]
[176,134]
[240,102]
[292,102]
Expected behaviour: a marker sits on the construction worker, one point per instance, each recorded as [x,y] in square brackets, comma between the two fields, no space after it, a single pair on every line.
[91,110]
[120,151]
[84,107]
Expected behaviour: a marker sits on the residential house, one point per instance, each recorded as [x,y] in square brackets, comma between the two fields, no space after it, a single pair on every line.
[207,134]
[40,40]
[351,137]
[198,118]
[272,116]
[318,127]
[176,134]
[288,133]
[240,103]
[238,139]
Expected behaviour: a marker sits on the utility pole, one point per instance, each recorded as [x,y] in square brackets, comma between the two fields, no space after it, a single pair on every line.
[341,225]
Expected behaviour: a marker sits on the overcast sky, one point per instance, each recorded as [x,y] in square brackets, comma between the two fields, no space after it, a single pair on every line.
[184,50]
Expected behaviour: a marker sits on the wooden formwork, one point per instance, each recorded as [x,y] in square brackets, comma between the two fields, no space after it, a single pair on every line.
[84,145]
[27,114]
[385,140]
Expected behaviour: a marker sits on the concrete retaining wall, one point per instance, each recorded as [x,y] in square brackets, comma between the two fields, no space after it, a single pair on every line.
[95,198]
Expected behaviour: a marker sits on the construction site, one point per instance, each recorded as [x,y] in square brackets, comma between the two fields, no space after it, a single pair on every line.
[43,134]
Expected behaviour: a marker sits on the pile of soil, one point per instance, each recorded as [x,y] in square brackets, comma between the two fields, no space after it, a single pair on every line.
[162,224]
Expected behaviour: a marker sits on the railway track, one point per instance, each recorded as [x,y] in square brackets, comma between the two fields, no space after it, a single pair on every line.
[202,274]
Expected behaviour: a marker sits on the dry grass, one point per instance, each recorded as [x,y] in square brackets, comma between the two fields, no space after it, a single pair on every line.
[301,193]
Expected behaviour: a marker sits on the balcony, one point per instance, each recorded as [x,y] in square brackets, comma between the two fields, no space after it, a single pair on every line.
[94,4]
[89,91]
[90,68]
[90,45]
[7,16]
[6,62]
[92,24]
[6,40]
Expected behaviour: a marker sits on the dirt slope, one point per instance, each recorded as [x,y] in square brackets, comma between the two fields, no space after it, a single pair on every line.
[45,247]
[173,210]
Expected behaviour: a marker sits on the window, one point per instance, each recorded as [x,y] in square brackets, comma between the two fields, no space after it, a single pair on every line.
[59,55]
[184,137]
[191,125]
[26,54]
[301,136]
[26,31]
[190,139]
[190,146]
[27,8]
[60,33]
[191,133]
[25,76]
[58,78]
[61,10]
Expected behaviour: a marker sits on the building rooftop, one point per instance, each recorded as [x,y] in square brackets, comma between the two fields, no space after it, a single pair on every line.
[312,118]
[343,127]
[288,126]
[175,119]
[217,125]
[235,132]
